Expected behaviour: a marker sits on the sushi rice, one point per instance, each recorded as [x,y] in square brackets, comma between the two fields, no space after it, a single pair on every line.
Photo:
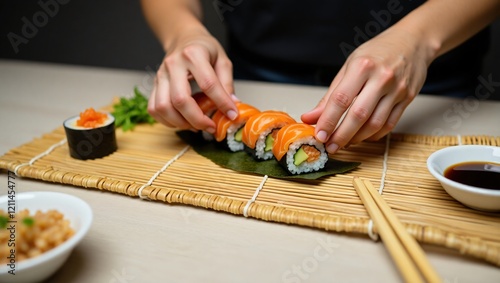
[261,145]
[233,144]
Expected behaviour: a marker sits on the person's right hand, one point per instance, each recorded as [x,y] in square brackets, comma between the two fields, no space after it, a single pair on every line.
[193,55]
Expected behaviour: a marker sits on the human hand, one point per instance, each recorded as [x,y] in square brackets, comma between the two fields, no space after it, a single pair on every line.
[372,89]
[199,56]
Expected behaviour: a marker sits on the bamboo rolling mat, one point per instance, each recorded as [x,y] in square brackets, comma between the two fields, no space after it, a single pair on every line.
[330,203]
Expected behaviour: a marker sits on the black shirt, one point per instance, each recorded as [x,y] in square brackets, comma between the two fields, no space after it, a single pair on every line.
[308,41]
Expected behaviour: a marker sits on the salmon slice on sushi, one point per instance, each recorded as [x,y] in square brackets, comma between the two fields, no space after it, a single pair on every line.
[208,108]
[260,132]
[229,133]
[206,104]
[298,151]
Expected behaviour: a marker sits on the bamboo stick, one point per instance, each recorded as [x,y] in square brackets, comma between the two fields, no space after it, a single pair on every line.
[407,254]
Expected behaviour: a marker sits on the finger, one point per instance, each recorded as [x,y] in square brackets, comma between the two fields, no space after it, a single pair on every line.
[209,83]
[313,115]
[163,104]
[391,122]
[360,111]
[380,121]
[381,82]
[185,109]
[152,104]
[339,101]
[376,121]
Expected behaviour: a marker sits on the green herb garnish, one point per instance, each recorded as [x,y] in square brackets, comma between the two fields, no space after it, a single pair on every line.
[3,221]
[132,111]
[28,221]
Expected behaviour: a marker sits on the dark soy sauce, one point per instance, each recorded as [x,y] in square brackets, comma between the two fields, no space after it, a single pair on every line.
[478,174]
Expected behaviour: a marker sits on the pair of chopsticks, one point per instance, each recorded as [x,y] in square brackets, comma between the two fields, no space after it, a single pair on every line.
[404,249]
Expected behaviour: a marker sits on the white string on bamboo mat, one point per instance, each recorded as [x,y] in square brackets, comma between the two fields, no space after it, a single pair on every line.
[384,165]
[161,171]
[371,234]
[45,153]
[254,197]
[459,139]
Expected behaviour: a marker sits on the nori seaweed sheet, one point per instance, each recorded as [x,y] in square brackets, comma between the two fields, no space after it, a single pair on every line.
[243,162]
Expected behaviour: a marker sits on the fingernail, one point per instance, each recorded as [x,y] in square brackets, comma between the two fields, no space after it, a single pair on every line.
[210,130]
[231,114]
[321,136]
[234,98]
[332,148]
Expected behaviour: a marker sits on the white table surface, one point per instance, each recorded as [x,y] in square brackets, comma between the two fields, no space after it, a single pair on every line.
[132,240]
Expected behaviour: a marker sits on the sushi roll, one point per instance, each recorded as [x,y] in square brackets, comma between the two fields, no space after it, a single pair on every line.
[91,135]
[298,151]
[229,133]
[260,132]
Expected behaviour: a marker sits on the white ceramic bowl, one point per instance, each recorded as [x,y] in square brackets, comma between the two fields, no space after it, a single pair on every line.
[474,197]
[41,267]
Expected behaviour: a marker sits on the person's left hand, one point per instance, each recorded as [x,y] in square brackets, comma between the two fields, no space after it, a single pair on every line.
[372,89]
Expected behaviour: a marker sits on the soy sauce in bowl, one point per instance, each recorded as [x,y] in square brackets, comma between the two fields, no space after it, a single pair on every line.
[484,175]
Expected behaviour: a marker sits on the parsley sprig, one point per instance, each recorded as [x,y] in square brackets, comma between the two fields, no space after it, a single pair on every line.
[132,111]
[28,221]
[3,221]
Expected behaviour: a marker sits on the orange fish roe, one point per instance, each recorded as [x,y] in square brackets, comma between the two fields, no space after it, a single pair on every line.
[91,118]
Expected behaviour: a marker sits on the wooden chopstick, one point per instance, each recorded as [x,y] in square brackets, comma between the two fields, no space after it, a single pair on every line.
[404,249]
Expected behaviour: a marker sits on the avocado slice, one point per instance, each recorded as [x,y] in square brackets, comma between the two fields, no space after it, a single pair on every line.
[299,157]
[269,142]
[238,135]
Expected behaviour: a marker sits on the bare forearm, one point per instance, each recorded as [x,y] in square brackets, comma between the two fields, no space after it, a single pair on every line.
[441,25]
[170,18]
